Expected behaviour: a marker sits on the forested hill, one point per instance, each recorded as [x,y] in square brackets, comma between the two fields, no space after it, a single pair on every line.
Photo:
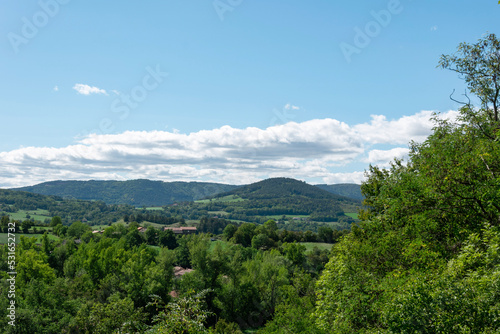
[282,196]
[133,192]
[157,193]
[281,187]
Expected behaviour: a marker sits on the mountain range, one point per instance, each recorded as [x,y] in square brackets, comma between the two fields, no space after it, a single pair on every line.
[157,193]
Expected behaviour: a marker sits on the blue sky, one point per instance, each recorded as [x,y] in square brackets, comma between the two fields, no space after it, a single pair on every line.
[223,90]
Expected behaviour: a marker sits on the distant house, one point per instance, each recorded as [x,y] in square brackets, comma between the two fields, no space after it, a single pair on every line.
[97,231]
[182,230]
[141,229]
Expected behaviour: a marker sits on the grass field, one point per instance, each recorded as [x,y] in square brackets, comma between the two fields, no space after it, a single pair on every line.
[320,245]
[39,214]
[4,237]
[223,244]
[353,215]
[228,198]
[155,208]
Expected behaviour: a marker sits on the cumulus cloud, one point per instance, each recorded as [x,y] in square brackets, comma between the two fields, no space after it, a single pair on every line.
[400,131]
[316,150]
[384,157]
[87,90]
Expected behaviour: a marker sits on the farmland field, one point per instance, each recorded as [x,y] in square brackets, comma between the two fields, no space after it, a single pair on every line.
[320,245]
[228,198]
[4,237]
[39,214]
[353,215]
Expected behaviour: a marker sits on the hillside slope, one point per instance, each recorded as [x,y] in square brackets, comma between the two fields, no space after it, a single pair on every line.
[350,190]
[282,196]
[133,192]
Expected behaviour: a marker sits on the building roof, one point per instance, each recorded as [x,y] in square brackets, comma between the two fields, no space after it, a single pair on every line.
[179,271]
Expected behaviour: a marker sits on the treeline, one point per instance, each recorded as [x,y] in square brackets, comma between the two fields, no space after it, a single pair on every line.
[278,235]
[255,210]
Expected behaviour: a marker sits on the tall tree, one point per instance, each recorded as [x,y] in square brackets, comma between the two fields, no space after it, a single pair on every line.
[393,272]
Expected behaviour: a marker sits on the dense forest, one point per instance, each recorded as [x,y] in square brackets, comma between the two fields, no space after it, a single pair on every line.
[281,196]
[134,192]
[423,259]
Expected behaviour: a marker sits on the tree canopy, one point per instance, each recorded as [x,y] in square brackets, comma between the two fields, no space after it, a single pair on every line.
[424,259]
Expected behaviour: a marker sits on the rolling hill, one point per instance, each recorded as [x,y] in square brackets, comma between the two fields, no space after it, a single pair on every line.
[134,192]
[350,190]
[281,196]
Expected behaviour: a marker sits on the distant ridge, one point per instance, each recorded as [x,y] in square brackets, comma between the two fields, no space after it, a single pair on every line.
[144,192]
[281,187]
[134,192]
[350,190]
[283,196]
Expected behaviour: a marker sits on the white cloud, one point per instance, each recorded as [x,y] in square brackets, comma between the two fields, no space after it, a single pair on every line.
[383,157]
[400,131]
[56,89]
[434,28]
[321,149]
[87,90]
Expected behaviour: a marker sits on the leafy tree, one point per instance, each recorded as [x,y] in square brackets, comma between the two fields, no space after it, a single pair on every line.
[32,265]
[244,234]
[417,261]
[295,253]
[77,229]
[262,241]
[167,239]
[60,230]
[151,235]
[222,327]
[325,234]
[186,315]
[25,226]
[56,220]
[4,223]
[229,231]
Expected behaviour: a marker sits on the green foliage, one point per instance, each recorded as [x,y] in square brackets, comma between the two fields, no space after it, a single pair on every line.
[185,316]
[167,239]
[295,253]
[56,220]
[244,234]
[422,260]
[222,327]
[77,229]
